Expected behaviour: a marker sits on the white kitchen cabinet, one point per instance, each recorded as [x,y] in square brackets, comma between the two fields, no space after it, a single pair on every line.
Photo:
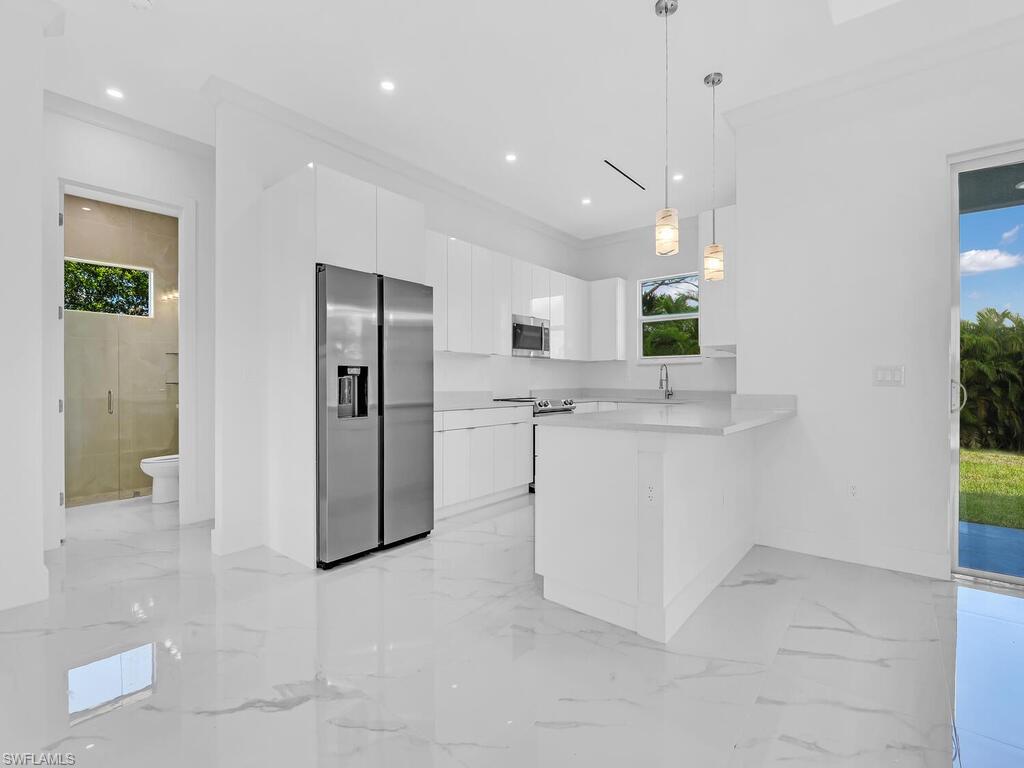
[438,469]
[524,453]
[577,319]
[460,281]
[481,462]
[481,307]
[540,295]
[718,297]
[504,457]
[455,478]
[557,290]
[346,216]
[437,278]
[401,224]
[522,287]
[607,319]
[502,303]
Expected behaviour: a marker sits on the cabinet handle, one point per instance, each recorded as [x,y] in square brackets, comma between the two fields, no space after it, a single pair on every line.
[110,401]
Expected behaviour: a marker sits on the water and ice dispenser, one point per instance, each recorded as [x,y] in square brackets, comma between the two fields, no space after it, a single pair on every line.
[352,391]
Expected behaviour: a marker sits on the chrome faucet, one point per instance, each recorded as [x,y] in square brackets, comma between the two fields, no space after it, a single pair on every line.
[663,381]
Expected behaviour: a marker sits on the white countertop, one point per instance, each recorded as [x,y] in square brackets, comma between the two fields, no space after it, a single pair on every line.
[698,418]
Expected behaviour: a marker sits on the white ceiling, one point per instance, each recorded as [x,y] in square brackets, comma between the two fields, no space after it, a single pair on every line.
[563,85]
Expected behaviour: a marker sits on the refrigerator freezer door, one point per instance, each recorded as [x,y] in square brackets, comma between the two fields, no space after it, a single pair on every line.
[408,371]
[348,426]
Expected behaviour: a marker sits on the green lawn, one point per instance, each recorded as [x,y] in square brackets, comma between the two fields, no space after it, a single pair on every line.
[992,488]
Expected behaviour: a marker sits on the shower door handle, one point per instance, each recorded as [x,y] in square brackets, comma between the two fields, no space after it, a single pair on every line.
[110,401]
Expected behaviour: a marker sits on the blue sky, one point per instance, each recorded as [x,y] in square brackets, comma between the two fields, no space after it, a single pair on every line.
[992,261]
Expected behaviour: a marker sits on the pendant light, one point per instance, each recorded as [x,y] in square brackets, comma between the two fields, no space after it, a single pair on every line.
[666,224]
[714,253]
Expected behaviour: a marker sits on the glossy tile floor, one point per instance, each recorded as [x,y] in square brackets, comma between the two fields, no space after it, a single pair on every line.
[442,653]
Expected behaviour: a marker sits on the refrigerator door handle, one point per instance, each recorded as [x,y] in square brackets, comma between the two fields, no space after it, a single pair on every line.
[346,387]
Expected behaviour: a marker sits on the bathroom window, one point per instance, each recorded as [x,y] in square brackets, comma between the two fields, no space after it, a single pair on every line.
[90,286]
[669,317]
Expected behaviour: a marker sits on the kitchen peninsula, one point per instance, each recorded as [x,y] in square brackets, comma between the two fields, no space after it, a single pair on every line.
[643,510]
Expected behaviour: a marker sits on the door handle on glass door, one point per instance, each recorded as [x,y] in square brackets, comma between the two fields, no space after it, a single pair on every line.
[963,397]
[110,401]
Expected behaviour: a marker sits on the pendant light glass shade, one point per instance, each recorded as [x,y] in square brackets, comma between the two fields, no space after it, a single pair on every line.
[714,262]
[666,232]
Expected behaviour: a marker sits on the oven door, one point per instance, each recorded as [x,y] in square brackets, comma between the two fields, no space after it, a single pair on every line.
[530,337]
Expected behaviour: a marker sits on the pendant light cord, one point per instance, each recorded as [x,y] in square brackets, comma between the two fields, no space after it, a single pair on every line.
[666,108]
[714,164]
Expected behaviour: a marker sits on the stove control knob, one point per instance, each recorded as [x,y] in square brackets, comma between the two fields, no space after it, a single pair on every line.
[568,402]
[543,404]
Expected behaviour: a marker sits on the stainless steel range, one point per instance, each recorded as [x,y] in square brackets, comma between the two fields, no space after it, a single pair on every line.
[541,407]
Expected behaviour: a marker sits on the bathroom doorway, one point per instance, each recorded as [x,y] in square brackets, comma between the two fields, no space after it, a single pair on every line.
[120,347]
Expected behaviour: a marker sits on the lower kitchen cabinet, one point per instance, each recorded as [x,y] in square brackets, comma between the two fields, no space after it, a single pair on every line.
[481,453]
[455,452]
[481,462]
[524,453]
[438,469]
[504,457]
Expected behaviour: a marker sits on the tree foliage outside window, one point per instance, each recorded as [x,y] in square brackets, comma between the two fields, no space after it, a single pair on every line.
[991,361]
[90,287]
[670,316]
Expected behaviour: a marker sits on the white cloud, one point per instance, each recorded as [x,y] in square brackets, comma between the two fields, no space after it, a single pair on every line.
[988,260]
[1010,236]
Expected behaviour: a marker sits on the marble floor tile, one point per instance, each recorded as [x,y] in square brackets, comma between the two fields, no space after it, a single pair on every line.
[442,652]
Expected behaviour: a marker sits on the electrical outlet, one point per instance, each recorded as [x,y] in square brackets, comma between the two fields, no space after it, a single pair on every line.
[853,491]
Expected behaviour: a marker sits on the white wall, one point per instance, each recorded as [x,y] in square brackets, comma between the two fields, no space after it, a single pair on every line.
[258,144]
[844,227]
[91,147]
[631,255]
[23,577]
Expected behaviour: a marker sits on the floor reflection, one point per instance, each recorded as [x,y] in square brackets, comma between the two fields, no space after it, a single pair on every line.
[989,700]
[105,684]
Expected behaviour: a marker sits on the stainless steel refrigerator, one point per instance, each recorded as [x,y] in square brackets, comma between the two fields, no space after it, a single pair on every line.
[375,412]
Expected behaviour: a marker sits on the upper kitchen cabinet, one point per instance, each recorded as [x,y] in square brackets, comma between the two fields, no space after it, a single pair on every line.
[577,319]
[501,306]
[401,224]
[346,220]
[557,304]
[718,297]
[437,278]
[460,295]
[522,287]
[540,295]
[607,319]
[481,306]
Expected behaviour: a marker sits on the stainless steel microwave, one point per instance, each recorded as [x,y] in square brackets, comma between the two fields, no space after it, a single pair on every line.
[531,337]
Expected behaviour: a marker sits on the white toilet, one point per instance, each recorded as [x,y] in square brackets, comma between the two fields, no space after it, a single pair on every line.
[164,471]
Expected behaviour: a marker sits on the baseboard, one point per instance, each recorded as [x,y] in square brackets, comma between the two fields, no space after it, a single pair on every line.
[440,513]
[592,604]
[900,559]
[688,599]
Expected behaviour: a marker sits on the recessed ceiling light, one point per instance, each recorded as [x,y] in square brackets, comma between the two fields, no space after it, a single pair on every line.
[85,208]
[585,201]
[511,157]
[677,177]
[1020,185]
[309,164]
[115,93]
[387,85]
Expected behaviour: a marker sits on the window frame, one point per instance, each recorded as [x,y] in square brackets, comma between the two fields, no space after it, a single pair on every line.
[136,267]
[643,359]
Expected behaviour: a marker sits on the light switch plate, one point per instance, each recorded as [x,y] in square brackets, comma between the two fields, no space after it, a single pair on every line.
[889,376]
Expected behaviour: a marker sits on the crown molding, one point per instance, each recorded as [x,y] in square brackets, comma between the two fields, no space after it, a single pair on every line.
[58,104]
